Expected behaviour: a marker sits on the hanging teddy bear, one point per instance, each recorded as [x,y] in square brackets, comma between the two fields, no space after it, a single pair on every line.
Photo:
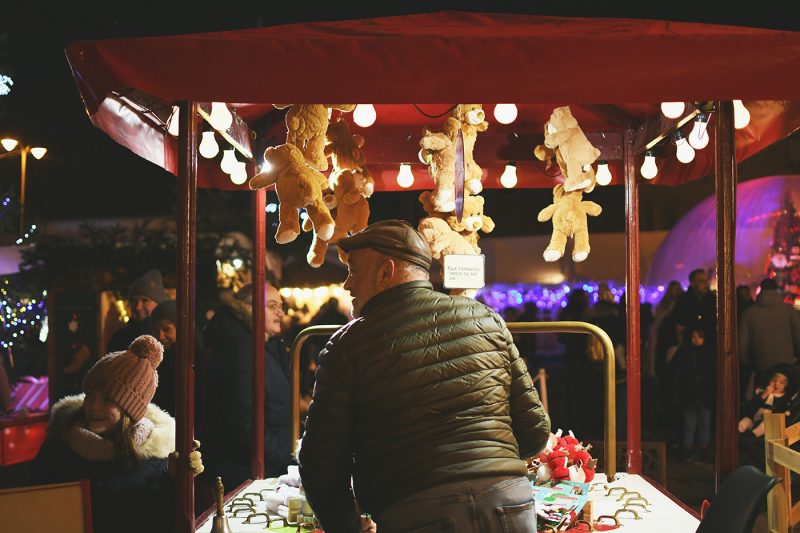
[306,125]
[438,151]
[298,186]
[565,142]
[569,220]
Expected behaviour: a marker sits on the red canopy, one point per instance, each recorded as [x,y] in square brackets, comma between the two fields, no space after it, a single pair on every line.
[612,72]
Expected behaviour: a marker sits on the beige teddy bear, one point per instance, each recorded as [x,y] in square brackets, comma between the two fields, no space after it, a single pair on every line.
[351,213]
[564,139]
[298,186]
[306,125]
[439,153]
[569,220]
[471,117]
[473,221]
[343,147]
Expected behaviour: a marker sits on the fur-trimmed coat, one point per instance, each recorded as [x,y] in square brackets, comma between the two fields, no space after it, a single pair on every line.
[125,497]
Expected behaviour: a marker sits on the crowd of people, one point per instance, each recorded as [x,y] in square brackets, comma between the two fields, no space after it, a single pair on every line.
[435,382]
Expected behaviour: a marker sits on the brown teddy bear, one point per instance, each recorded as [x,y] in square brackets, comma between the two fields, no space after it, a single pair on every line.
[298,186]
[344,148]
[306,125]
[569,220]
[564,140]
[439,153]
[351,213]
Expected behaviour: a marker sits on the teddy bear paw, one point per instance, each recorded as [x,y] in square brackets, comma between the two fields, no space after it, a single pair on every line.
[282,237]
[474,186]
[580,256]
[552,255]
[314,261]
[325,231]
[577,186]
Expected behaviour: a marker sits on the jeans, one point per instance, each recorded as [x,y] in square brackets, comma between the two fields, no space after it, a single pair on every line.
[486,505]
[699,419]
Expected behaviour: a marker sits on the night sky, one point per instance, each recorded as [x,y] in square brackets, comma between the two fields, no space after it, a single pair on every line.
[87,175]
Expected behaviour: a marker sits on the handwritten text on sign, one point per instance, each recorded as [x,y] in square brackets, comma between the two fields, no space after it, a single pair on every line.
[464,271]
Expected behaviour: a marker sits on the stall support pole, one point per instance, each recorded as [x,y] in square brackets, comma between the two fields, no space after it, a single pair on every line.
[184,377]
[632,272]
[727,353]
[259,310]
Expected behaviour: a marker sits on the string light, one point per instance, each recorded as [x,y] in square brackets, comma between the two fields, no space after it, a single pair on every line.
[698,137]
[603,175]
[208,146]
[741,116]
[239,173]
[9,144]
[649,168]
[28,234]
[220,116]
[505,113]
[228,163]
[364,115]
[405,178]
[683,150]
[6,83]
[672,109]
[509,177]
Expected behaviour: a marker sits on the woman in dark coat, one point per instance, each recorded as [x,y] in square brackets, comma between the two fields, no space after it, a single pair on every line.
[113,436]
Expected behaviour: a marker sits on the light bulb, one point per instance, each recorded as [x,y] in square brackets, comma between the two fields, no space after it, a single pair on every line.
[741,116]
[364,115]
[9,144]
[173,127]
[228,161]
[649,168]
[683,150]
[603,174]
[266,166]
[220,117]
[672,109]
[405,178]
[698,137]
[208,146]
[505,113]
[509,177]
[38,152]
[239,174]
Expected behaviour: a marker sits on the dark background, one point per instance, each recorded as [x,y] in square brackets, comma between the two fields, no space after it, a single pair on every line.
[86,175]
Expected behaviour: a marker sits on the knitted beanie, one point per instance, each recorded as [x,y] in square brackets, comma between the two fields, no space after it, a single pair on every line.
[150,285]
[128,378]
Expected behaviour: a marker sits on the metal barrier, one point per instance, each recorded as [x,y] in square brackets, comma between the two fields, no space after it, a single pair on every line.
[609,404]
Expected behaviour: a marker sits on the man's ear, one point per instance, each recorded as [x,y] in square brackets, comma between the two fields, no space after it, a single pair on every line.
[386,272]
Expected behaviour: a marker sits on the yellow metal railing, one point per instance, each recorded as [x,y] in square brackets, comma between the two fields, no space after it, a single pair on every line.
[609,404]
[781,461]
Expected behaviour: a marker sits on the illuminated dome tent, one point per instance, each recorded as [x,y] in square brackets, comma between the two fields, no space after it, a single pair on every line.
[760,203]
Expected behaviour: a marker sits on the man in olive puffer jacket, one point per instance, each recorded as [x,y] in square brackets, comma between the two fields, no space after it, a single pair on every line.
[422,399]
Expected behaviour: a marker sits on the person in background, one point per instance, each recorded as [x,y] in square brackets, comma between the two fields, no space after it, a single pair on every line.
[164,320]
[697,364]
[744,299]
[769,332]
[144,295]
[121,442]
[698,306]
[422,400]
[227,390]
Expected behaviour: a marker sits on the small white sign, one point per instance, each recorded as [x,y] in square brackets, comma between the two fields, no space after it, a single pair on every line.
[464,271]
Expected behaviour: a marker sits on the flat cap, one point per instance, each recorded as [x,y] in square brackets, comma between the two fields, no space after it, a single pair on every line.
[396,238]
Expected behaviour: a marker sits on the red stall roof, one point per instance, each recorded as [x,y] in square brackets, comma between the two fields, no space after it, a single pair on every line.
[612,72]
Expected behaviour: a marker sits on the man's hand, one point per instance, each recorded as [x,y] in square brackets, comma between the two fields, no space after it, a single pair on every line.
[195,461]
[367,525]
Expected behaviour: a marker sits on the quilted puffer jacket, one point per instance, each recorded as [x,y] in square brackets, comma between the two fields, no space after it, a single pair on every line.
[423,389]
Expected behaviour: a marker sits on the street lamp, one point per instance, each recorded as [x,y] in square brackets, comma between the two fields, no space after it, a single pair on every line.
[11,146]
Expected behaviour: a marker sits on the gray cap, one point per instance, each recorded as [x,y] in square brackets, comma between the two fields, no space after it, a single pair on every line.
[396,238]
[150,285]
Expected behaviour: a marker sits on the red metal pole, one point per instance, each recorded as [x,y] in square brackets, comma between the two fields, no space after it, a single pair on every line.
[184,377]
[727,349]
[259,308]
[634,388]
